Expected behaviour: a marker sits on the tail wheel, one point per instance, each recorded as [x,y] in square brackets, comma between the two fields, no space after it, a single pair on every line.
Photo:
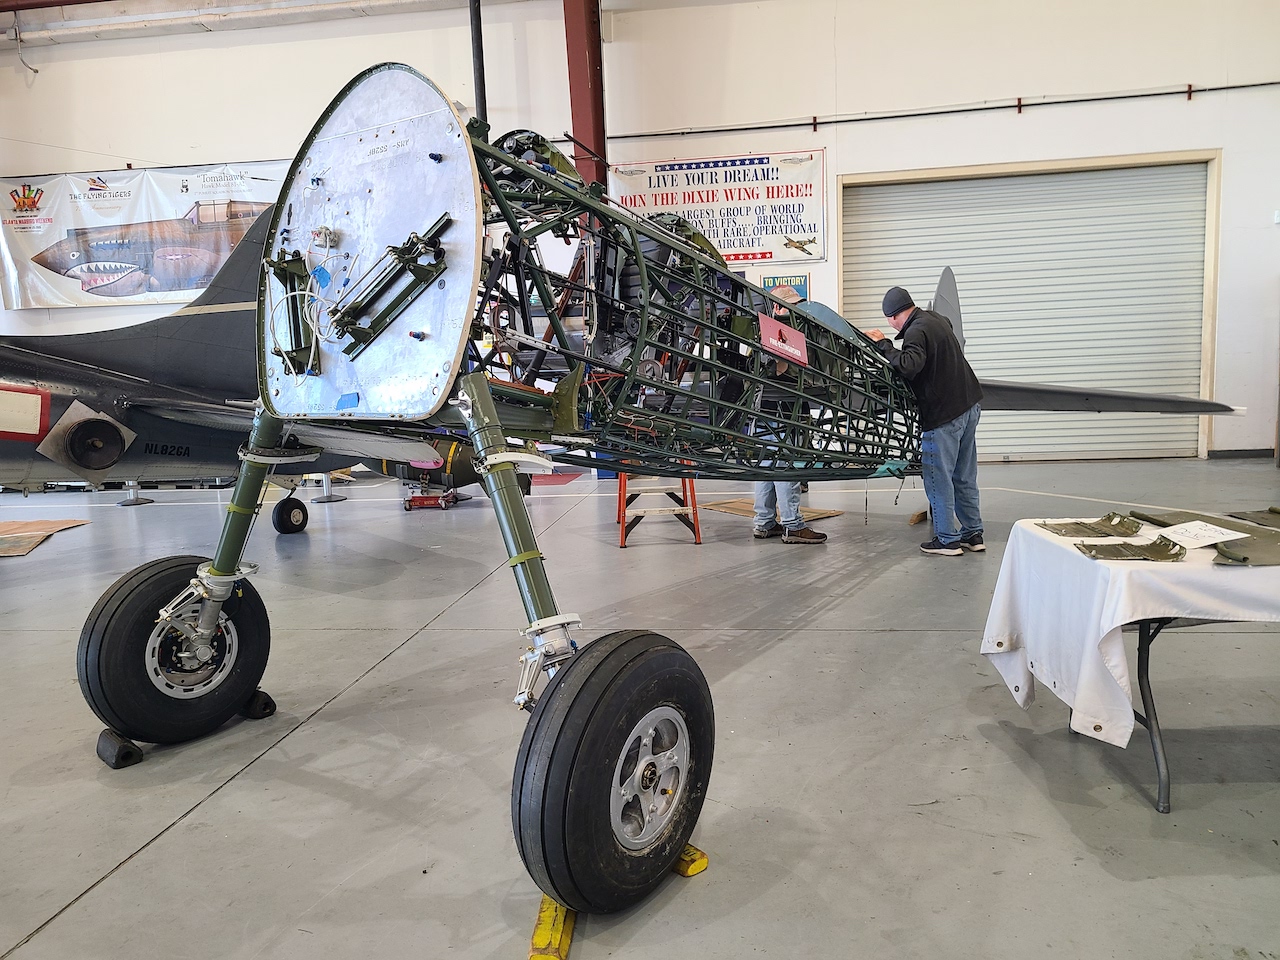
[289,516]
[612,771]
[143,681]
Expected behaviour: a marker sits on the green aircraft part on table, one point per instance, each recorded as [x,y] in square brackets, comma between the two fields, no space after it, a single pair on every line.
[1269,517]
[1261,548]
[1112,525]
[1161,549]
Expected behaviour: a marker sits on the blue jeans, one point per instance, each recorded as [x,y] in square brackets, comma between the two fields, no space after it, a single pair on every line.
[950,471]
[782,496]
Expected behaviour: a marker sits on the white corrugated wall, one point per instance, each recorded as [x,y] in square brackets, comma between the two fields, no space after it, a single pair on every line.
[1080,278]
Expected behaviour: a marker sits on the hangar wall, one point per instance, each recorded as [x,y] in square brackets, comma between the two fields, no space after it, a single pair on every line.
[252,94]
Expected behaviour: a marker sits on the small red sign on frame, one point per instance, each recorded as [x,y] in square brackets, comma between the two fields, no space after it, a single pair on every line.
[783,341]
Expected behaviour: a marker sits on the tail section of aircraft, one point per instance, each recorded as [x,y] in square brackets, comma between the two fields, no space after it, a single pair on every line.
[1008,395]
[96,394]
[206,346]
[946,301]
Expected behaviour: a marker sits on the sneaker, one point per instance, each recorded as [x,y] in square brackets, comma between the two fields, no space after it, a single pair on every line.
[938,548]
[973,543]
[803,535]
[764,533]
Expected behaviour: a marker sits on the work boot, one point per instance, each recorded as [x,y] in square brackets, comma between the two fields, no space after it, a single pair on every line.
[764,533]
[973,543]
[804,535]
[940,549]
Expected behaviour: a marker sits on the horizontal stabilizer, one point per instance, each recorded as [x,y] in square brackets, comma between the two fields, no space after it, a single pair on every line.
[1008,395]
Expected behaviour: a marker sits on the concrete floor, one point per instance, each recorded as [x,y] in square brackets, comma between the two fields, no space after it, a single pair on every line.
[876,790]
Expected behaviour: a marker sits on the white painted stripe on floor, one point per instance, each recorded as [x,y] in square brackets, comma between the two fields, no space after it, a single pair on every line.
[1069,496]
[612,494]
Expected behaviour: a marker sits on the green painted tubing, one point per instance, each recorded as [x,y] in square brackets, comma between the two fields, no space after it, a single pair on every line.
[548,301]
[266,433]
[508,501]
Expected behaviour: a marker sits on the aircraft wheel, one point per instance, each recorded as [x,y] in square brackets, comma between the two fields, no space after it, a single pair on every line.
[612,771]
[289,516]
[132,670]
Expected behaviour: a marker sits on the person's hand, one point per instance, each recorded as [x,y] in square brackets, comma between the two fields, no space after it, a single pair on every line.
[876,334]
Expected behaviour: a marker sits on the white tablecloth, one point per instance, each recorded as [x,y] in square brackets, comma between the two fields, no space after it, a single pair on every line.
[1056,617]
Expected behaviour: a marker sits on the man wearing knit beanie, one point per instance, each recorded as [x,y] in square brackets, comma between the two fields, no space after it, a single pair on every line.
[949,396]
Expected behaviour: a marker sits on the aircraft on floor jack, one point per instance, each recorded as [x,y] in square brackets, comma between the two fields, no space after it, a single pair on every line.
[430,234]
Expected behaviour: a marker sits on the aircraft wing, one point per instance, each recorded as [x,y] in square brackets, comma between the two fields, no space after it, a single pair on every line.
[1008,395]
[214,416]
[367,441]
[373,444]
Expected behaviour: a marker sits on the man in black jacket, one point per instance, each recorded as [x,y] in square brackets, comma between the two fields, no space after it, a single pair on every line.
[948,394]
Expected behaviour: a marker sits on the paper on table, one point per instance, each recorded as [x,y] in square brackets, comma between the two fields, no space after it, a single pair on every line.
[1197,533]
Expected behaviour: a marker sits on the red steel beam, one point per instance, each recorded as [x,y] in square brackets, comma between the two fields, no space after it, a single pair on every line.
[586,85]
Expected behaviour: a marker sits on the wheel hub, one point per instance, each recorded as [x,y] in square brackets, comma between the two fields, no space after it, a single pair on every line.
[649,778]
[184,670]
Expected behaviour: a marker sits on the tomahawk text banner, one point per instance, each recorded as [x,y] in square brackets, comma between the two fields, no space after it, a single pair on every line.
[765,208]
[126,236]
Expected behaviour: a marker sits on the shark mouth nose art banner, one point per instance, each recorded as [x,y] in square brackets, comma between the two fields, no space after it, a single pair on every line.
[126,236]
[763,208]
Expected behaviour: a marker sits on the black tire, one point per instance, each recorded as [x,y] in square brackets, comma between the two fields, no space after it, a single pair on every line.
[111,659]
[289,516]
[563,783]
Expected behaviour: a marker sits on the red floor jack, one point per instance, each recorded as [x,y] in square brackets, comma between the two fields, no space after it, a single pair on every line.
[444,499]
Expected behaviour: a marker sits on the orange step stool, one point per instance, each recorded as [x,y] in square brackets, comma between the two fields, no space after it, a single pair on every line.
[685,510]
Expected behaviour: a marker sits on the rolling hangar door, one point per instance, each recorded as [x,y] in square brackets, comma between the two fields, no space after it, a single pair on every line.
[1081,278]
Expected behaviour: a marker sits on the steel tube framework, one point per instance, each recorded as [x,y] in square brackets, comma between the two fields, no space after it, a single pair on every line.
[674,374]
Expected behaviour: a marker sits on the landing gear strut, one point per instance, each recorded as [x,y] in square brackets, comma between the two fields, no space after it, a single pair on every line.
[615,759]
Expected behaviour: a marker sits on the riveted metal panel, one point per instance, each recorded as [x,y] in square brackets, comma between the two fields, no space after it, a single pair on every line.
[389,159]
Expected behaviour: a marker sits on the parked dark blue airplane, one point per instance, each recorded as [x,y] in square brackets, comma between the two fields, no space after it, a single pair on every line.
[173,399]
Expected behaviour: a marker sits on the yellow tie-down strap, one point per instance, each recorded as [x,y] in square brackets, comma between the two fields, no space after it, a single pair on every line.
[525,557]
[232,508]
